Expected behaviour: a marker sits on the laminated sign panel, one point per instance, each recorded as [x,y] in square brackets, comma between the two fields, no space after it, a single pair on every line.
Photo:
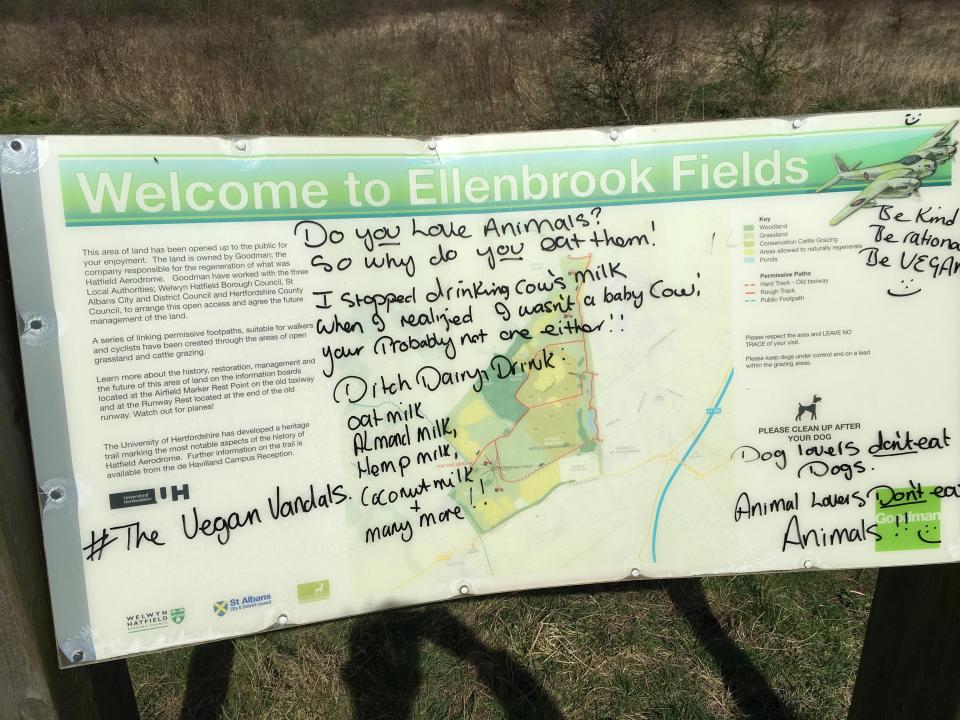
[274,381]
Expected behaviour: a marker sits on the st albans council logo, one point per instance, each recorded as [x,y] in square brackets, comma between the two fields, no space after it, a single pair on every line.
[155,619]
[234,604]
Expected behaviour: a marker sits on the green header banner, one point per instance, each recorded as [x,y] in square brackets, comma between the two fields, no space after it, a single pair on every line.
[185,188]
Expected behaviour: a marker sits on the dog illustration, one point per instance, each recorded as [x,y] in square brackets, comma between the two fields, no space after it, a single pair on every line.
[811,408]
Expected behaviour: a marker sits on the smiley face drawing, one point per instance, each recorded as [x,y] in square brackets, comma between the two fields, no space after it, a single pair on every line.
[912,119]
[928,532]
[906,289]
[908,522]
[909,528]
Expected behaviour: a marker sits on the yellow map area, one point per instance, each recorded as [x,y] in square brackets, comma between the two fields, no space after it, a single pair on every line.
[535,408]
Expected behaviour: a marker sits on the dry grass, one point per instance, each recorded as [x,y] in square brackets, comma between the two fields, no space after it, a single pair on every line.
[423,73]
[410,76]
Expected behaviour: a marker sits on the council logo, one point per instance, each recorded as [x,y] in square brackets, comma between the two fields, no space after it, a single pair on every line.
[154,619]
[241,602]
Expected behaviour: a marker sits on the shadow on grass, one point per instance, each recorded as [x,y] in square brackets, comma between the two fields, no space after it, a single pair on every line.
[749,688]
[207,681]
[383,672]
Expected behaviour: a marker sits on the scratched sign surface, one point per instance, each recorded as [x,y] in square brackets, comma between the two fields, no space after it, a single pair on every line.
[276,381]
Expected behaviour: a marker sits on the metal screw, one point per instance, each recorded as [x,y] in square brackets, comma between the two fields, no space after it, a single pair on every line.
[282,619]
[240,145]
[808,564]
[464,589]
[614,135]
[635,572]
[56,493]
[432,144]
[797,123]
[16,145]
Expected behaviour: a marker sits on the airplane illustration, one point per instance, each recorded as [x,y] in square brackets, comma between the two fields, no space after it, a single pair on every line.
[898,179]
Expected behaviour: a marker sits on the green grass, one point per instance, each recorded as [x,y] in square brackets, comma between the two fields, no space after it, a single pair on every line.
[614,651]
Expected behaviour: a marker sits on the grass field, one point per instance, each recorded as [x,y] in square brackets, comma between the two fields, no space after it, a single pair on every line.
[760,647]
[773,646]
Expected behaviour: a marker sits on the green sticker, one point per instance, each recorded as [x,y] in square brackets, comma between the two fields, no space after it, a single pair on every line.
[313,591]
[912,523]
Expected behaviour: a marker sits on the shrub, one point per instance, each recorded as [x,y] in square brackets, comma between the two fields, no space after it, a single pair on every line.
[622,62]
[762,58]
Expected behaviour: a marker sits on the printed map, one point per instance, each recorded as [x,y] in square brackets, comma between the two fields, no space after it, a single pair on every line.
[535,409]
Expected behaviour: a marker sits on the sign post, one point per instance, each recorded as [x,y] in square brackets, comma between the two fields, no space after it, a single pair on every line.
[31,683]
[911,653]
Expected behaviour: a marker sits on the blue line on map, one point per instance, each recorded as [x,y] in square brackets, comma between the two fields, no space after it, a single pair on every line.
[711,413]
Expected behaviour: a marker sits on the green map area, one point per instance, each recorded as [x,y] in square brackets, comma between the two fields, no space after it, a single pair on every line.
[534,409]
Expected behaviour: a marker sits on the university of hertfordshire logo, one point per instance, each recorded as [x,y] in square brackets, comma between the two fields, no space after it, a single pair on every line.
[177,615]
[907,519]
[220,608]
